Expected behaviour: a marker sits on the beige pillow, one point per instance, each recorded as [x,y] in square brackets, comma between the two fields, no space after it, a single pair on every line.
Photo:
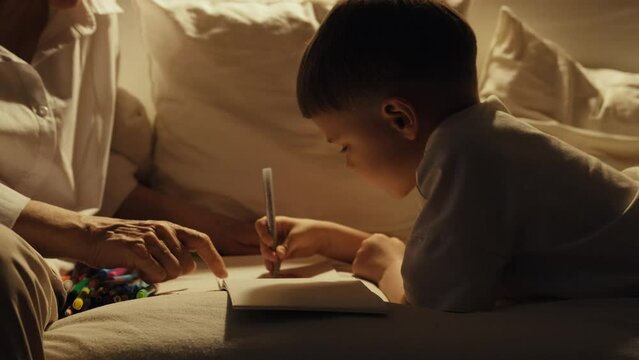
[597,33]
[537,80]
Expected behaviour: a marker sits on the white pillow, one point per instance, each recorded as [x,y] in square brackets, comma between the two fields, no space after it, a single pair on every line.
[224,78]
[597,33]
[537,80]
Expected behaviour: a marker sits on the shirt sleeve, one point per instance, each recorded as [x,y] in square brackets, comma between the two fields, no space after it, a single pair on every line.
[120,182]
[458,249]
[11,205]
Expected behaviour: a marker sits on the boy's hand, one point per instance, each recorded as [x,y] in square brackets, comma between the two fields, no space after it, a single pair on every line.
[377,254]
[298,238]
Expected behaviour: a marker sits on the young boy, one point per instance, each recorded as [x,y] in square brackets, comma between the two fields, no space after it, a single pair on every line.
[509,212]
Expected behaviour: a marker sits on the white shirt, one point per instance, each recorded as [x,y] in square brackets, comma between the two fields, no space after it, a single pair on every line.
[514,211]
[57,114]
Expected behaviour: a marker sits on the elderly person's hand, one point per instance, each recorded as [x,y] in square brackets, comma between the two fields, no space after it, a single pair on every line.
[158,250]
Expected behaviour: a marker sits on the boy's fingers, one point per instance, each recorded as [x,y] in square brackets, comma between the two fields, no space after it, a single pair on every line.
[281,252]
[262,231]
[268,265]
[267,253]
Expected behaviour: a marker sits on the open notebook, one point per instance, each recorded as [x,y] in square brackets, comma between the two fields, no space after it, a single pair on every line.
[309,284]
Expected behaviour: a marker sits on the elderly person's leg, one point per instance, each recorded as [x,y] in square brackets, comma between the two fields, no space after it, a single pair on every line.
[27,298]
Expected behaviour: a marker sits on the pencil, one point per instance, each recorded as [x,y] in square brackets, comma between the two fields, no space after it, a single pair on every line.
[267,179]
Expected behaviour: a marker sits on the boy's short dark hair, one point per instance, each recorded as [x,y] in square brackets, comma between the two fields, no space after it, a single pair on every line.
[372,47]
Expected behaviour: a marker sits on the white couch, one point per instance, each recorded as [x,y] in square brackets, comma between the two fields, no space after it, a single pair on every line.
[200,325]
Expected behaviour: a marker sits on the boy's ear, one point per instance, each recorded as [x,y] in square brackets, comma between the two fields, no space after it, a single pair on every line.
[401,116]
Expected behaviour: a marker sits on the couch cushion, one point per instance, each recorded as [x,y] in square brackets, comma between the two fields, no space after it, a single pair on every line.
[201,325]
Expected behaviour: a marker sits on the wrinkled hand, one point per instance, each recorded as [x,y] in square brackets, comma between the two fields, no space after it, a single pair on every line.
[376,254]
[158,250]
[298,238]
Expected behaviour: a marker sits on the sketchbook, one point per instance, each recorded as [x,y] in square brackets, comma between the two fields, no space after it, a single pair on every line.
[308,284]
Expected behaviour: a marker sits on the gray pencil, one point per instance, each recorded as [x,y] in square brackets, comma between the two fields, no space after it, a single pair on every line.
[267,179]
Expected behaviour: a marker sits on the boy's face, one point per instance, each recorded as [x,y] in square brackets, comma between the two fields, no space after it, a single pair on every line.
[373,146]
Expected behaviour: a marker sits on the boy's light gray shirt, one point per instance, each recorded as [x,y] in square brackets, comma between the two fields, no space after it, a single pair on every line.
[511,211]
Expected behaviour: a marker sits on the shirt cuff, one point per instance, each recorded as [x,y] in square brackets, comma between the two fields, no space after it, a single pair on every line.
[11,205]
[120,182]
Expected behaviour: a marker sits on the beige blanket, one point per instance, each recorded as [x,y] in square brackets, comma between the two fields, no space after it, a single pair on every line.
[199,324]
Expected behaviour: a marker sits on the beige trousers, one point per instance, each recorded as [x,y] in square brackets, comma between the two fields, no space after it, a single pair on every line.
[28,303]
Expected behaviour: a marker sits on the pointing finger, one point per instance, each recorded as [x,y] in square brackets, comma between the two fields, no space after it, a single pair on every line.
[202,244]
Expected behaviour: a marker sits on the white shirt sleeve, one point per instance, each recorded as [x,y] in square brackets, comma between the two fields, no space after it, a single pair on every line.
[58,114]
[11,205]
